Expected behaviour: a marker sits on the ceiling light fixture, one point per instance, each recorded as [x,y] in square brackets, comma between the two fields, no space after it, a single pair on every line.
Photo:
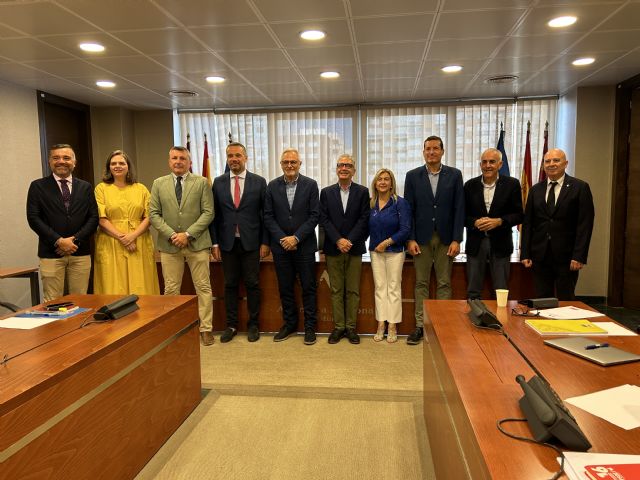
[215,79]
[579,62]
[560,22]
[312,35]
[330,74]
[182,93]
[105,84]
[451,68]
[91,47]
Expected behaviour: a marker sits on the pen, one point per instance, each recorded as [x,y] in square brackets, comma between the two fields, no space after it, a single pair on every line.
[596,345]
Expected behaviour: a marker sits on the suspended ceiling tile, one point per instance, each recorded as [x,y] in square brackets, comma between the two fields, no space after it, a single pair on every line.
[390,52]
[392,29]
[239,59]
[284,10]
[476,24]
[270,75]
[450,50]
[119,15]
[129,65]
[158,42]
[245,37]
[29,49]
[202,62]
[322,56]
[40,18]
[209,12]
[71,44]
[337,32]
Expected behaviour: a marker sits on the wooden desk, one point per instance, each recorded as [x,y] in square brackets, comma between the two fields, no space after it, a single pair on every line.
[470,384]
[24,272]
[97,401]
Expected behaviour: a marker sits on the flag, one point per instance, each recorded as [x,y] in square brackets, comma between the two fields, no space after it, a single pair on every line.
[189,148]
[542,176]
[525,177]
[205,160]
[226,165]
[504,169]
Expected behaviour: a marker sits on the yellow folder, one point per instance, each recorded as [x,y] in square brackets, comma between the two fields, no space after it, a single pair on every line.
[565,327]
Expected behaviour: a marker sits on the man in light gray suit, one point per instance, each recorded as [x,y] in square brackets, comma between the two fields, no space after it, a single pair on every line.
[181,209]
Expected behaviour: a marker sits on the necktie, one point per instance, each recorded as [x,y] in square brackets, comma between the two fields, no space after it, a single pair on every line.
[236,192]
[66,194]
[179,189]
[551,198]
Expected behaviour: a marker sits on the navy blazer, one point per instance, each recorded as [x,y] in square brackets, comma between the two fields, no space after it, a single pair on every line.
[248,215]
[352,224]
[445,212]
[506,205]
[300,220]
[50,220]
[567,227]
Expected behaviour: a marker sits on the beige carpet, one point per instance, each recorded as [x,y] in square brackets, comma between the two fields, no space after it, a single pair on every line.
[290,411]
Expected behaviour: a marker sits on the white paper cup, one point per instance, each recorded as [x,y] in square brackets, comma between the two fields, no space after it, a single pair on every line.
[502,296]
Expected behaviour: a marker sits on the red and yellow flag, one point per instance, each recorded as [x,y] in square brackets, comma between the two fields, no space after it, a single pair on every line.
[525,177]
[205,160]
[542,176]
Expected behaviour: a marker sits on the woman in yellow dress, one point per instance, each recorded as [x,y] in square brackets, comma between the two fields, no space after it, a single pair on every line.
[124,258]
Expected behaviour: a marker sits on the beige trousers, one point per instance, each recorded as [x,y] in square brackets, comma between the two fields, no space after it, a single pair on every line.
[387,281]
[172,270]
[54,272]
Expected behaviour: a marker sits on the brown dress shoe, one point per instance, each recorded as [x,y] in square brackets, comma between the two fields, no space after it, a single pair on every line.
[207,338]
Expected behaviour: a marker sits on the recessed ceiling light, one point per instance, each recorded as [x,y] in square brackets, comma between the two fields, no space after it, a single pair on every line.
[330,74]
[312,35]
[91,47]
[583,61]
[215,79]
[105,84]
[451,68]
[560,22]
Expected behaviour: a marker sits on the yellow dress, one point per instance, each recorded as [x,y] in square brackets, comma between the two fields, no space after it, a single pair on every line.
[116,270]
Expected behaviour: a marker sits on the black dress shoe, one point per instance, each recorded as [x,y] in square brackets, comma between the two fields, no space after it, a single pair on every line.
[416,337]
[309,336]
[336,335]
[253,334]
[228,334]
[284,333]
[352,336]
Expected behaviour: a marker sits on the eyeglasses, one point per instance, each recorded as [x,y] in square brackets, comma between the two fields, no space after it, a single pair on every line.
[288,162]
[344,165]
[524,311]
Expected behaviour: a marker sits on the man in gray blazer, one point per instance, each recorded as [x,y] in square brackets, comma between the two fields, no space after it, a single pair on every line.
[181,209]
[239,238]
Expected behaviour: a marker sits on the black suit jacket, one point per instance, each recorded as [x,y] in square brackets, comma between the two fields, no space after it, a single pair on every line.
[50,220]
[352,224]
[248,216]
[567,227]
[506,204]
[300,220]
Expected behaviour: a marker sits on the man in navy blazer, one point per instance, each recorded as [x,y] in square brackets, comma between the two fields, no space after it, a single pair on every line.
[62,210]
[344,216]
[436,195]
[493,206]
[556,231]
[239,238]
[291,213]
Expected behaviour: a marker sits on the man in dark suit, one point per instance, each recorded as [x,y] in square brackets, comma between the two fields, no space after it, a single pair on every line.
[62,210]
[238,236]
[291,214]
[556,231]
[436,195]
[493,206]
[344,216]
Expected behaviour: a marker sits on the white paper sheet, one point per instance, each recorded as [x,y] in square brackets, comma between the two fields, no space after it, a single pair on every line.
[568,313]
[618,405]
[614,329]
[26,323]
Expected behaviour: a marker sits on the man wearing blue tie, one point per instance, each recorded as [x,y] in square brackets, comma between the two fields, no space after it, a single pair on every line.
[239,238]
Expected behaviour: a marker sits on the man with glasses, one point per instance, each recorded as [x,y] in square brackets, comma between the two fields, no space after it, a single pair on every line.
[493,206]
[436,195]
[344,216]
[62,210]
[291,213]
[239,238]
[556,231]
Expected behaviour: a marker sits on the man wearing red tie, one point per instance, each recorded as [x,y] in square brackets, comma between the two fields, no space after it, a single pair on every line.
[556,231]
[239,238]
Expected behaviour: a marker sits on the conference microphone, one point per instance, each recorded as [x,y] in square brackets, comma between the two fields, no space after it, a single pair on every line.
[118,309]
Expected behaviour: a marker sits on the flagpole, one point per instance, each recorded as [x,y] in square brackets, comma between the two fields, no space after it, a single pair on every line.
[542,176]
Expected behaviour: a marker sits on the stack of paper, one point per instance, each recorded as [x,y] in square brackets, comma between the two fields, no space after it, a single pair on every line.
[565,327]
[601,466]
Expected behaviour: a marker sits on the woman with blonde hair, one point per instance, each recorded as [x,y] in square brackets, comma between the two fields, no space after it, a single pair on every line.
[124,256]
[389,227]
